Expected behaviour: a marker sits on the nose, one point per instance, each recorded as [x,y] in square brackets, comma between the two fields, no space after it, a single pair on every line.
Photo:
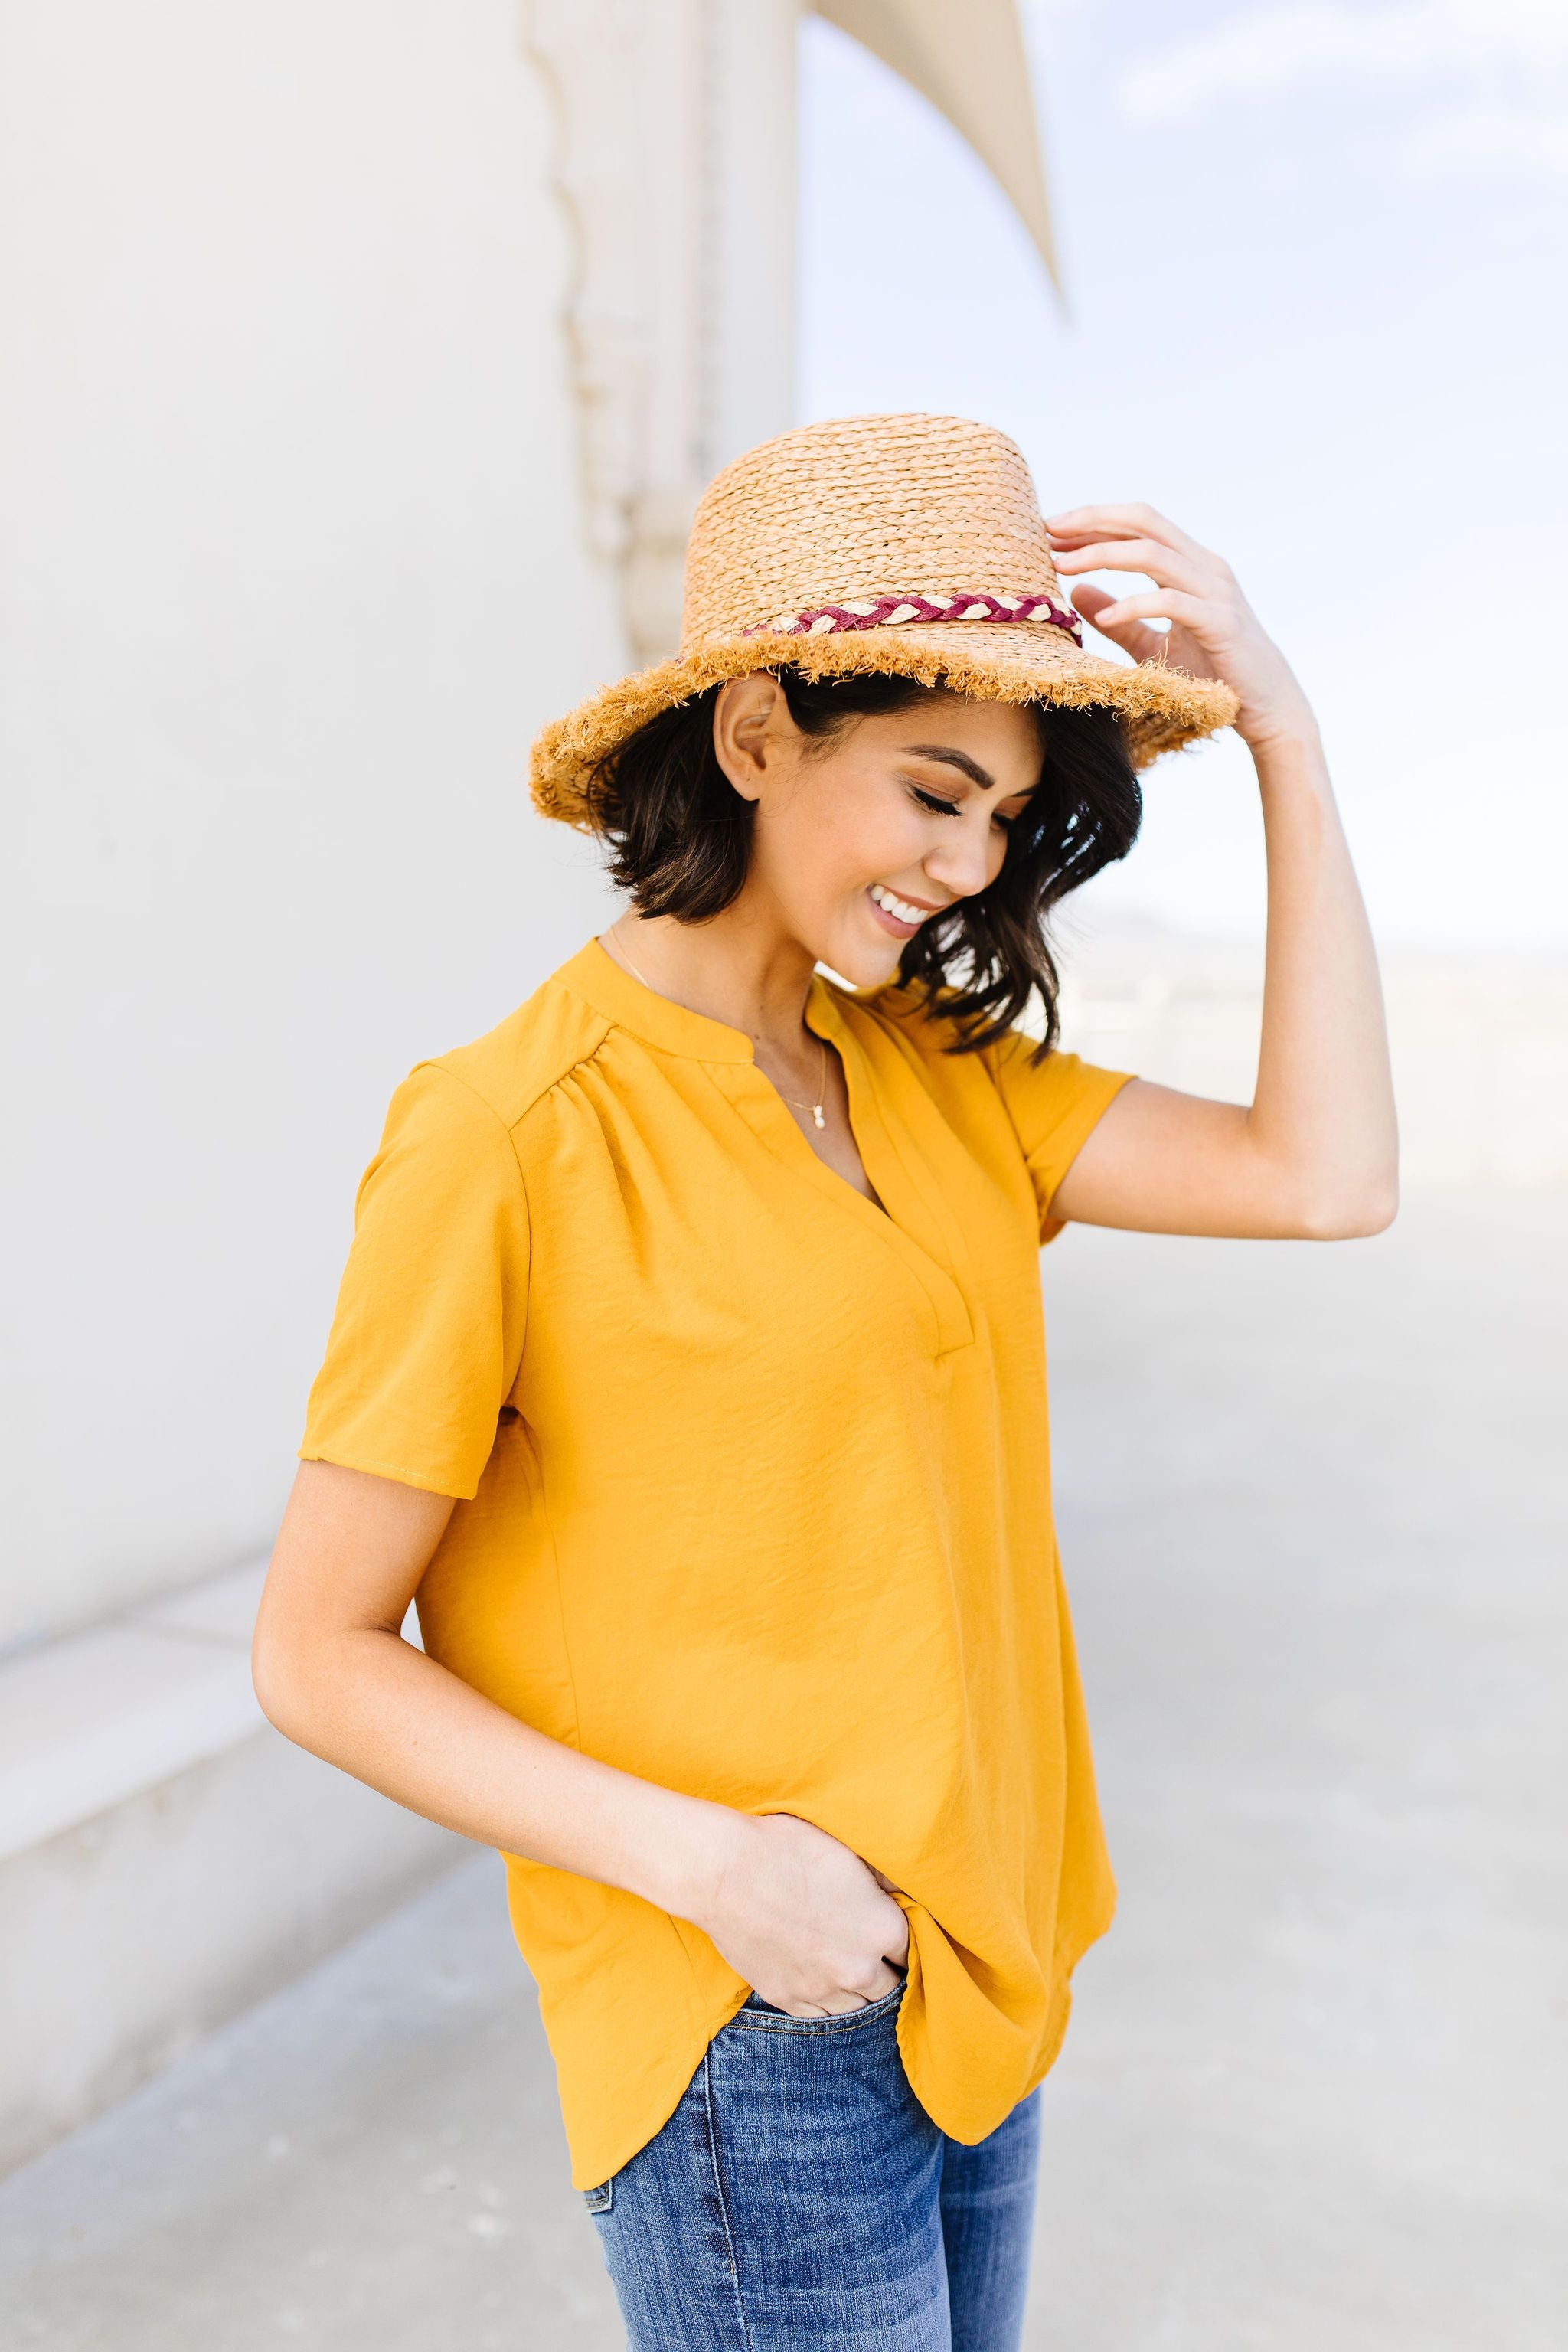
[964,860]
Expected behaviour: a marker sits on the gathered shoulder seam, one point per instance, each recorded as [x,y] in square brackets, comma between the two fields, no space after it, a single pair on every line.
[512,1120]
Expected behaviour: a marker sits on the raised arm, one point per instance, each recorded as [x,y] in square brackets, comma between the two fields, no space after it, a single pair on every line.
[1314,1155]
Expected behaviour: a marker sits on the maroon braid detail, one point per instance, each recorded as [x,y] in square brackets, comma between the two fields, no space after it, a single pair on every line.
[911,611]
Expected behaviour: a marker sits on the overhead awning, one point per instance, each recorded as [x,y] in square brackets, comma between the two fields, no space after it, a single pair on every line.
[969,59]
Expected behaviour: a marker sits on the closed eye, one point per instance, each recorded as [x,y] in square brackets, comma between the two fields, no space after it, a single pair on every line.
[950,808]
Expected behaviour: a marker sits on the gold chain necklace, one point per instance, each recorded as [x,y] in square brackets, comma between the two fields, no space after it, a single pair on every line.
[816,1108]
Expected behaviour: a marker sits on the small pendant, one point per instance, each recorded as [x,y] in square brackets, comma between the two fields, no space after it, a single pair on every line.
[817,1113]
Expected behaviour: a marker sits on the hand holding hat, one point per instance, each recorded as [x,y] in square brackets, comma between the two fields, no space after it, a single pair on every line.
[1213,631]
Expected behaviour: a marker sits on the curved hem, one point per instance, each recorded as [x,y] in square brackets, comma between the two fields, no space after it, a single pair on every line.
[623,2148]
[594,2175]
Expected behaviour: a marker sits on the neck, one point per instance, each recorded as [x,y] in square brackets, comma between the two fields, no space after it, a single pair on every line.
[739,969]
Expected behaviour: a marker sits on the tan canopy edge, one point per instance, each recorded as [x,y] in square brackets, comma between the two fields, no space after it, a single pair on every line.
[971,62]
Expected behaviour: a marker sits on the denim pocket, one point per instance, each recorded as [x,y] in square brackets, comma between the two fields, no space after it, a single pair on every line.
[767,2019]
[601,2200]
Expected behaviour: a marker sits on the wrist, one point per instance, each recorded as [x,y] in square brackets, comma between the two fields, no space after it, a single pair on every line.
[684,1871]
[1273,734]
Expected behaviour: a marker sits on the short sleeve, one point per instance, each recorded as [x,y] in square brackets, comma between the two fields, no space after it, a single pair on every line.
[427,1336]
[1053,1106]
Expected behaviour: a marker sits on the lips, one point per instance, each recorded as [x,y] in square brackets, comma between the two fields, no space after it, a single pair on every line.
[900,916]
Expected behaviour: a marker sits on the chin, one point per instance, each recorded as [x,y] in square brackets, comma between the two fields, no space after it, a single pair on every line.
[865,963]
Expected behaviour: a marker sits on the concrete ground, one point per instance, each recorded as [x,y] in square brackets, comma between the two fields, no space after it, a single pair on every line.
[1315,2095]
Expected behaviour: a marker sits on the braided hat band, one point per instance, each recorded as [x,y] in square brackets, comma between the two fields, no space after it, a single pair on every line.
[903,612]
[805,553]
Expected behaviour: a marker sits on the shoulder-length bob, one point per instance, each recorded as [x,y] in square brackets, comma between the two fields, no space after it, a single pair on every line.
[680,840]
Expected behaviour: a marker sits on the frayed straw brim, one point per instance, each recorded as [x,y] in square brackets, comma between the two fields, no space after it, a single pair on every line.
[992,662]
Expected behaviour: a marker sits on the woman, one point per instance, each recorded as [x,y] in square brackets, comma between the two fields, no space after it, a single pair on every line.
[689,1369]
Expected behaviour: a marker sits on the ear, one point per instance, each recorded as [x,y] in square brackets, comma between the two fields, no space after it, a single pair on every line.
[749,716]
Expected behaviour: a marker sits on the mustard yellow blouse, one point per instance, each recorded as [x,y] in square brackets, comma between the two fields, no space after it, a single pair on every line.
[754,1493]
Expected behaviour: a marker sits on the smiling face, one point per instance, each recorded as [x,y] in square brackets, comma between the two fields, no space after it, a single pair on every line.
[862,836]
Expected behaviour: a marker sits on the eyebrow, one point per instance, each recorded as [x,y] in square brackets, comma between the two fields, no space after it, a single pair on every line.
[959,759]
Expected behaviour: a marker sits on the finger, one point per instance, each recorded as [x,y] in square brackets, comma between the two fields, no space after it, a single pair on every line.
[1159,605]
[1062,540]
[846,2001]
[1163,565]
[1120,522]
[1145,645]
[1142,643]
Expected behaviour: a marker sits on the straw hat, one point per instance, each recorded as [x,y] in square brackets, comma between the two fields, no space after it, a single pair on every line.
[906,544]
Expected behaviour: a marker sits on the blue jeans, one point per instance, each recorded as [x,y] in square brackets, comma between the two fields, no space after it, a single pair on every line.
[800,2196]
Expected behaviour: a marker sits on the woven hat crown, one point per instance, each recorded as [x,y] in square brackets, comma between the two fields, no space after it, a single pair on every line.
[863,506]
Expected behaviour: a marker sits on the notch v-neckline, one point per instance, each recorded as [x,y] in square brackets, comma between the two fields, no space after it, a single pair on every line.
[906,1216]
[900,1216]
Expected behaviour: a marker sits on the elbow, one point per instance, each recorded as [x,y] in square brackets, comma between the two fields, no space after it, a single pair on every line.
[1351,1212]
[306,1676]
[278,1685]
[268,1683]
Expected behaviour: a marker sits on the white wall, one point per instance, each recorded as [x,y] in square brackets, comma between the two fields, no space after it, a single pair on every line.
[293,571]
[750,226]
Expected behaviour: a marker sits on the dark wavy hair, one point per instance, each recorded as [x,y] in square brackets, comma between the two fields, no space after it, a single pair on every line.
[680,840]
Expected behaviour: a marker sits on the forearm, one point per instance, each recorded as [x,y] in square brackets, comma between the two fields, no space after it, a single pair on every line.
[1314,1156]
[369,1703]
[1323,1114]
[792,1910]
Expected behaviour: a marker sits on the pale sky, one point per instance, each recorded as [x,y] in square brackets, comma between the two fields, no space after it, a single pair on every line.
[1315,257]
